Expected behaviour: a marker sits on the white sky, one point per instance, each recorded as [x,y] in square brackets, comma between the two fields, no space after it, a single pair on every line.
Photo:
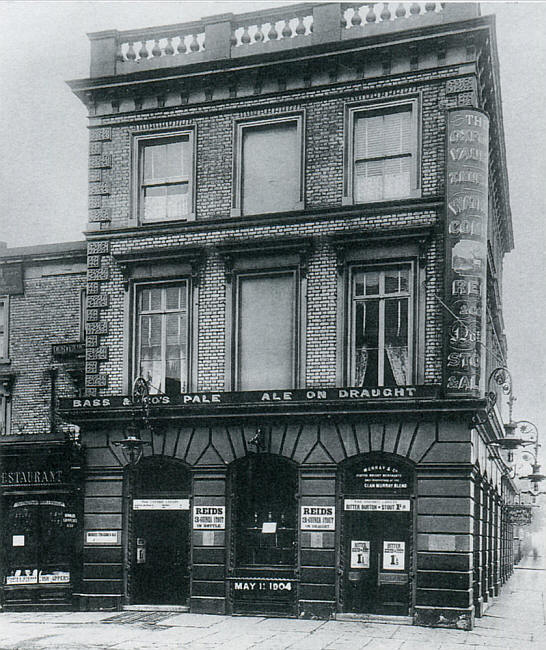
[43,143]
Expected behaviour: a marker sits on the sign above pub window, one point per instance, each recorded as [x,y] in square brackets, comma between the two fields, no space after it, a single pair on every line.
[11,279]
[370,476]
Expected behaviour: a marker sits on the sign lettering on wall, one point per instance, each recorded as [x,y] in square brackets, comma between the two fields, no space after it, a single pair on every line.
[161,504]
[466,250]
[102,537]
[209,517]
[378,505]
[318,518]
[11,279]
[265,589]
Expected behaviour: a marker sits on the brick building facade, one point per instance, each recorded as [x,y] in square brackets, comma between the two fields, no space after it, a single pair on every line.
[297,220]
[41,293]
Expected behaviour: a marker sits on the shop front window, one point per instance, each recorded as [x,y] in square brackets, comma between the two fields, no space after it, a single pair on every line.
[38,542]
[264,511]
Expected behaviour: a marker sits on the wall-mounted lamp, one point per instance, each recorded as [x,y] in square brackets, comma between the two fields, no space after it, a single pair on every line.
[132,446]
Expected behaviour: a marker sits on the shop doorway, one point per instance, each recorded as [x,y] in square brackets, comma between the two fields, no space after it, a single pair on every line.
[377,535]
[159,520]
[263,541]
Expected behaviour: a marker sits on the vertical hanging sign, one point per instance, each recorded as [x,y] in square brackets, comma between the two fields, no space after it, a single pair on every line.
[466,250]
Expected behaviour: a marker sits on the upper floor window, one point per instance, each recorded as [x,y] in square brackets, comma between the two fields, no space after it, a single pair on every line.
[3,327]
[381,329]
[382,153]
[266,331]
[5,410]
[268,166]
[162,336]
[165,177]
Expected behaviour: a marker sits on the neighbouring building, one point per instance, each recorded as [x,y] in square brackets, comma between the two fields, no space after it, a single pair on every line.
[42,352]
[297,223]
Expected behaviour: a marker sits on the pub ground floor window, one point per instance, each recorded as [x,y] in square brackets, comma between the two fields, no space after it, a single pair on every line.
[376,535]
[263,535]
[39,545]
[159,522]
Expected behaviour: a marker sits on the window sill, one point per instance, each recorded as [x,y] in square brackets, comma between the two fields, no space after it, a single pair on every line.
[413,194]
[5,361]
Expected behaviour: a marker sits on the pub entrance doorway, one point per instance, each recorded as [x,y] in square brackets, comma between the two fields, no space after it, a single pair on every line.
[377,534]
[159,543]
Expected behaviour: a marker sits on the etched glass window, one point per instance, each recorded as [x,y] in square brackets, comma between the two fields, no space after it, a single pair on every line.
[381,326]
[162,337]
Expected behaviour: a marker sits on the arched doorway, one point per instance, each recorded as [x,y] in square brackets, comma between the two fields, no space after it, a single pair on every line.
[376,534]
[159,541]
[263,545]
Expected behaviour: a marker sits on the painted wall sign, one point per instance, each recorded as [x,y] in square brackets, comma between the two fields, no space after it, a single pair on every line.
[161,504]
[72,349]
[59,577]
[11,279]
[360,554]
[252,397]
[381,476]
[270,589]
[102,537]
[23,577]
[318,518]
[32,477]
[394,554]
[466,250]
[209,517]
[378,505]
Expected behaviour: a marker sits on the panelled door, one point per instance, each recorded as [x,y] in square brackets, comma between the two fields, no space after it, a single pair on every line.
[376,539]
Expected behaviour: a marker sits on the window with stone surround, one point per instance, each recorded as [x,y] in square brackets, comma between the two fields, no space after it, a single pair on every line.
[162,336]
[4,327]
[382,152]
[381,325]
[267,168]
[164,177]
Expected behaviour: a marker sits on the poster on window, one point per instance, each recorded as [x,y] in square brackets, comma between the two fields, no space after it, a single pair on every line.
[360,554]
[209,517]
[394,554]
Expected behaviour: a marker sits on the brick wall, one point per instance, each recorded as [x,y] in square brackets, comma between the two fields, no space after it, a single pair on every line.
[47,313]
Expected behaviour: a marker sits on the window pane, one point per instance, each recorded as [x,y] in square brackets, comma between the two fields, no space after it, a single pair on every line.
[372,283]
[397,130]
[3,329]
[396,341]
[396,177]
[155,203]
[177,201]
[266,332]
[155,162]
[396,279]
[269,169]
[368,181]
[366,342]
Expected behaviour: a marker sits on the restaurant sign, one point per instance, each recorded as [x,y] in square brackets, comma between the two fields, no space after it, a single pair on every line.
[467,208]
[212,399]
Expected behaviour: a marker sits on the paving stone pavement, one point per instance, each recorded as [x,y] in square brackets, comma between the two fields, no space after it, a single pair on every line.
[516,620]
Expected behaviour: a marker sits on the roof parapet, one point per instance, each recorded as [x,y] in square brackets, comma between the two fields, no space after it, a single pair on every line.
[229,36]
